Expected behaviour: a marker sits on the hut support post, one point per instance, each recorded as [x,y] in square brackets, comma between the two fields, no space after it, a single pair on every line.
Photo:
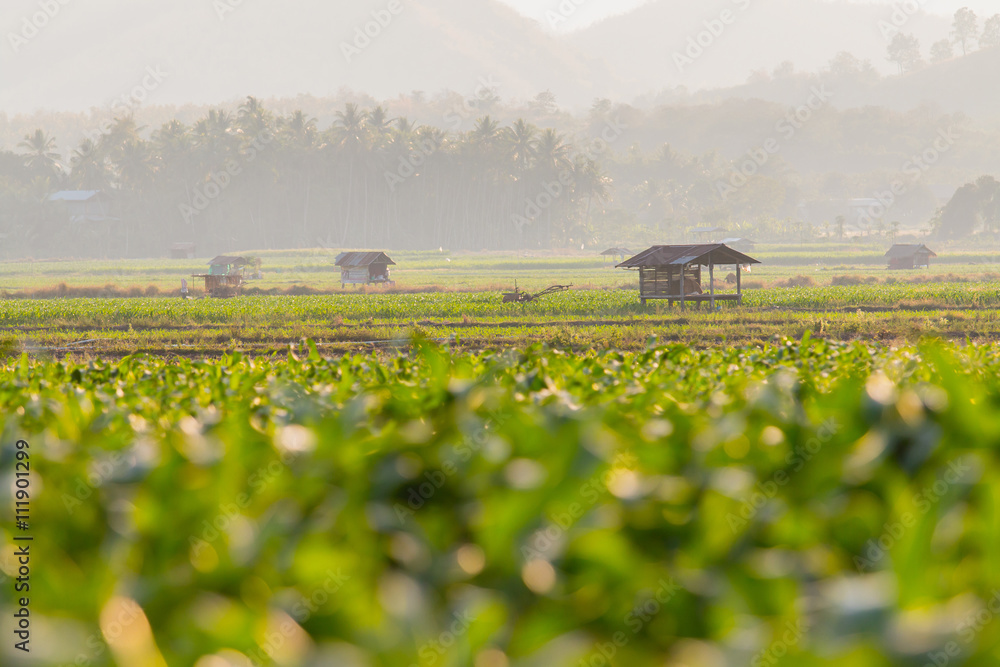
[739,284]
[711,281]
[683,303]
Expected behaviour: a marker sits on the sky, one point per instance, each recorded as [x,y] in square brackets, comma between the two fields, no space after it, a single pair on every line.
[585,12]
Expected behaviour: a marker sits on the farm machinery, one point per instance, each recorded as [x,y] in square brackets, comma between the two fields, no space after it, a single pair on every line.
[520,296]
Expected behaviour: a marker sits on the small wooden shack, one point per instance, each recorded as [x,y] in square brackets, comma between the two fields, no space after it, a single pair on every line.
[616,252]
[739,243]
[909,256]
[182,251]
[364,268]
[226,275]
[674,272]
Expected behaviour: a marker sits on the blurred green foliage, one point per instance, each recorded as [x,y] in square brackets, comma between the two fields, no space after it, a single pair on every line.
[806,502]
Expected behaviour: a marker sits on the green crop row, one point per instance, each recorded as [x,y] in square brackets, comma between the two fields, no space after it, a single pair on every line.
[402,307]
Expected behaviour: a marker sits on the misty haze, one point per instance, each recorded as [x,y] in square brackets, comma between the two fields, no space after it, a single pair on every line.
[499,333]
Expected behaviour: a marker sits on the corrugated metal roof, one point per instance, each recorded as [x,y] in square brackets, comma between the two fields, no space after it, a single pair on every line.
[617,251]
[902,250]
[678,255]
[362,259]
[229,260]
[74,195]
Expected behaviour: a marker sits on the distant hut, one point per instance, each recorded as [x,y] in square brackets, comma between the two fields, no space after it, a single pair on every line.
[674,273]
[614,253]
[909,256]
[739,243]
[705,234]
[364,268]
[182,251]
[226,275]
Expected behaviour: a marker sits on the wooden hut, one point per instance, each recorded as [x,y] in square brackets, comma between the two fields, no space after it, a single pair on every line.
[706,234]
[226,275]
[364,268]
[674,273]
[182,251]
[909,256]
[616,252]
[739,243]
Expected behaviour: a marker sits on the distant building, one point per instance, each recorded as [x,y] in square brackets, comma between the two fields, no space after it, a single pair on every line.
[226,275]
[705,234]
[912,256]
[674,273]
[617,252]
[183,251]
[739,243]
[83,205]
[364,268]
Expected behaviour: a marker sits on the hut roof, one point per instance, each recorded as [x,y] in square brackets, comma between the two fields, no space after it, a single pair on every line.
[363,259]
[737,239]
[903,250]
[706,230]
[613,252]
[74,195]
[229,260]
[681,255]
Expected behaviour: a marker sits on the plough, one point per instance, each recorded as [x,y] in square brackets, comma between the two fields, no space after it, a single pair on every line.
[520,296]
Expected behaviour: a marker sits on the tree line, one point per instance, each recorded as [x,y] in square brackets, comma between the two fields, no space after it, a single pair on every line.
[251,178]
[905,50]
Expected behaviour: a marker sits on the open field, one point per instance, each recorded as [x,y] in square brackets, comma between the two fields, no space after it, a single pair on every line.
[314,269]
[116,309]
[530,509]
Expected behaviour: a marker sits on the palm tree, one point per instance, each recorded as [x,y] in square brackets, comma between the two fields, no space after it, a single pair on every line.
[40,153]
[523,144]
[89,168]
[350,137]
[553,152]
[253,119]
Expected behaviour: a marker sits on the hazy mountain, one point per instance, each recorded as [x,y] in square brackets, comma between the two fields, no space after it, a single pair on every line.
[943,87]
[642,46]
[214,51]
